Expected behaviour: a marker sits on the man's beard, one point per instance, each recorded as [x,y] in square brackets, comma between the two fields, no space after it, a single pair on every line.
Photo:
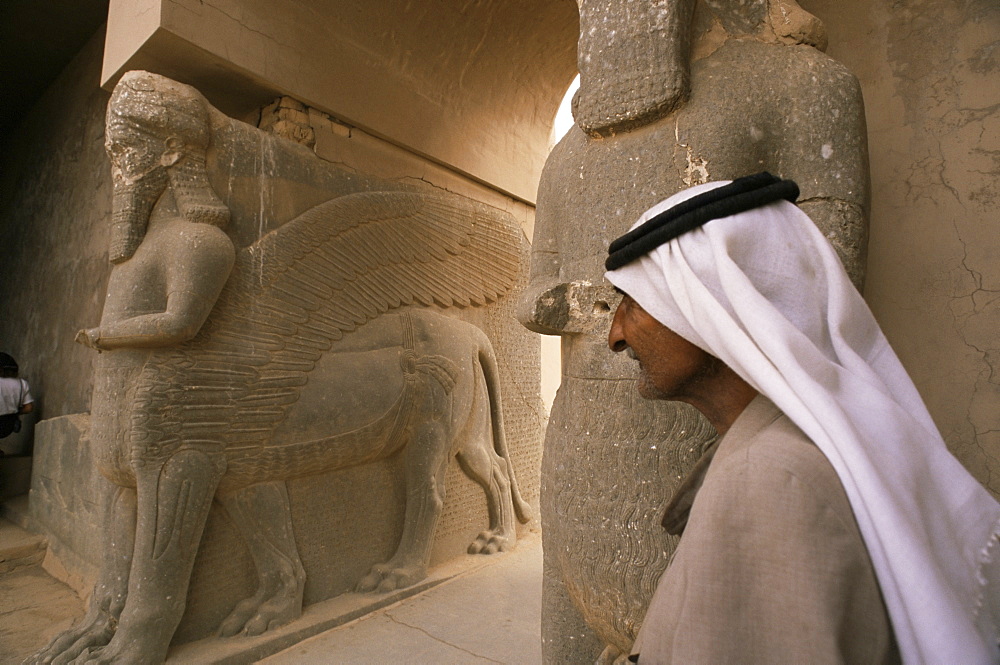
[131,207]
[648,389]
[193,193]
[644,384]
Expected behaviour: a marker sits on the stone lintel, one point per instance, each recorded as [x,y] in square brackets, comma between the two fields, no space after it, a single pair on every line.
[473,88]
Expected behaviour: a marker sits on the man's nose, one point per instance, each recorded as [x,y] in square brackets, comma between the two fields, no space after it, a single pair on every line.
[616,338]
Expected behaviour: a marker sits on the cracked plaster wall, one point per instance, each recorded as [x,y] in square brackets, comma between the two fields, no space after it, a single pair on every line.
[930,73]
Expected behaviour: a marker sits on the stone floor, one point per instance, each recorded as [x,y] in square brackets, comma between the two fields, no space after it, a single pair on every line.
[34,607]
[474,610]
[491,615]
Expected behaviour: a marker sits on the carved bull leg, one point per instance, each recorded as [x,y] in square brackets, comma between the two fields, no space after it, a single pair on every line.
[481,462]
[262,514]
[108,598]
[174,496]
[485,467]
[426,460]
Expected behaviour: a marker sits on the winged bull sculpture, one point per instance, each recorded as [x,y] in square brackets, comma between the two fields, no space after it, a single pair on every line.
[205,367]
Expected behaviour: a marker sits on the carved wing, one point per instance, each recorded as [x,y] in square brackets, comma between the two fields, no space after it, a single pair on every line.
[355,257]
[306,284]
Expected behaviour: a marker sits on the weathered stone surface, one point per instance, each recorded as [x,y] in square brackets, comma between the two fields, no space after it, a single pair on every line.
[329,342]
[68,496]
[611,459]
[631,59]
[289,119]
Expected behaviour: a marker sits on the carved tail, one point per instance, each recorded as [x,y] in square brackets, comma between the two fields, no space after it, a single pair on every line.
[488,361]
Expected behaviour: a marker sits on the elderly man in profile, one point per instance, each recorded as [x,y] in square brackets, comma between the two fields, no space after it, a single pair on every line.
[829,523]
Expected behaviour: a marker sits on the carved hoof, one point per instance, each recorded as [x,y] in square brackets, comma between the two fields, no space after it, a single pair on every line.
[371,581]
[85,656]
[123,652]
[253,617]
[491,542]
[89,656]
[384,578]
[98,657]
[269,616]
[76,642]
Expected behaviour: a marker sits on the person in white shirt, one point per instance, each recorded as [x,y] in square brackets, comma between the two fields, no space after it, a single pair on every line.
[15,393]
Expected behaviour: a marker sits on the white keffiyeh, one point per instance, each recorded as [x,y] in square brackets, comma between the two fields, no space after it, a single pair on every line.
[765,292]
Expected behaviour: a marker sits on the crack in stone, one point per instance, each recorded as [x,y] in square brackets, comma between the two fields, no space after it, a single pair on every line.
[428,182]
[961,321]
[978,444]
[438,639]
[243,25]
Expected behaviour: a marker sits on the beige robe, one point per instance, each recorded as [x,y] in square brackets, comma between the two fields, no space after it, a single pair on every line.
[772,567]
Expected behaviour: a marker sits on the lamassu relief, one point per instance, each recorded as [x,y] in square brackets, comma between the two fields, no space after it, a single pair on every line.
[225,371]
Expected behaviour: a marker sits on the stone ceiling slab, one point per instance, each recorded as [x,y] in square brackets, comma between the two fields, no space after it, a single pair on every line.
[472,85]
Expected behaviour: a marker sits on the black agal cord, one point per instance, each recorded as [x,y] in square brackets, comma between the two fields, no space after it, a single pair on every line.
[740,195]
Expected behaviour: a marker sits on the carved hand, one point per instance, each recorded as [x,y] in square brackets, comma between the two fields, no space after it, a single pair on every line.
[561,308]
[89,338]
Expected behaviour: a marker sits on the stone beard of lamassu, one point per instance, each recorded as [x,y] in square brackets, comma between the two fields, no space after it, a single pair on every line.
[653,38]
[672,94]
[158,138]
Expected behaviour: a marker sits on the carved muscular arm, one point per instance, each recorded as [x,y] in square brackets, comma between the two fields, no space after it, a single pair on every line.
[542,307]
[196,272]
[554,304]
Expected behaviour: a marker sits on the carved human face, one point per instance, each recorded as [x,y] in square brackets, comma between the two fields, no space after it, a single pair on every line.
[670,366]
[135,155]
[139,178]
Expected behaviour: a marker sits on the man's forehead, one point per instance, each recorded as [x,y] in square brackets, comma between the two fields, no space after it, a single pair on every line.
[630,302]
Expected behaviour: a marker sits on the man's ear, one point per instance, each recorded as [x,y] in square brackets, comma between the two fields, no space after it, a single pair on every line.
[173,151]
